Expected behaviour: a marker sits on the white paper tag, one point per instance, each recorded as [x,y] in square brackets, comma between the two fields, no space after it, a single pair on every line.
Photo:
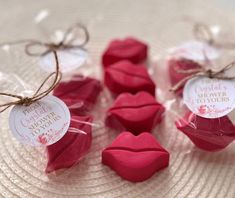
[209,97]
[195,50]
[69,59]
[44,122]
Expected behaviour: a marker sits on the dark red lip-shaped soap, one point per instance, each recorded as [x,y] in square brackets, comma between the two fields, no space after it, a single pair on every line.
[135,158]
[207,134]
[79,94]
[175,65]
[127,49]
[135,113]
[124,76]
[72,147]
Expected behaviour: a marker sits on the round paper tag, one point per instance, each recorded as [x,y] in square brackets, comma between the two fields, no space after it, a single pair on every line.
[69,59]
[44,122]
[209,97]
[196,51]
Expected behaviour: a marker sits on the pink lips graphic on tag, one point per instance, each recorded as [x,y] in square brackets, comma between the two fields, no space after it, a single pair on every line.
[202,109]
[42,139]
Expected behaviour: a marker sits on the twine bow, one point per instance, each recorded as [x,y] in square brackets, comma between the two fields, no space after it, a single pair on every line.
[203,72]
[39,94]
[65,43]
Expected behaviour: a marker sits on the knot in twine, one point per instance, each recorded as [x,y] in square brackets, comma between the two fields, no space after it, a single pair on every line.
[25,101]
[65,43]
[39,94]
[202,71]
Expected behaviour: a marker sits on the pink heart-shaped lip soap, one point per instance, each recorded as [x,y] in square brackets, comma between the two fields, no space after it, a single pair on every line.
[79,94]
[127,49]
[135,158]
[124,76]
[207,134]
[75,144]
[135,113]
[175,65]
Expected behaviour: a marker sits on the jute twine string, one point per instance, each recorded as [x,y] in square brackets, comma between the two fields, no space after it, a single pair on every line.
[65,43]
[203,72]
[39,94]
[203,32]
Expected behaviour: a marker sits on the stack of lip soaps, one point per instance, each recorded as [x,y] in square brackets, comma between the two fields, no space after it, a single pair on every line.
[135,154]
[79,94]
[207,134]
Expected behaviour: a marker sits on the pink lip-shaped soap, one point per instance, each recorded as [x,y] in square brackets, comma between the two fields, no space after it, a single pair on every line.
[207,134]
[75,144]
[127,49]
[124,76]
[135,113]
[79,94]
[135,158]
[175,65]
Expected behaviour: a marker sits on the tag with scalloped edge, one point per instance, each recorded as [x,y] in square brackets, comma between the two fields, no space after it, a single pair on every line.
[209,97]
[42,123]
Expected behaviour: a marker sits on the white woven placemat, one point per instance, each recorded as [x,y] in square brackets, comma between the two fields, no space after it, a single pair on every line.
[192,173]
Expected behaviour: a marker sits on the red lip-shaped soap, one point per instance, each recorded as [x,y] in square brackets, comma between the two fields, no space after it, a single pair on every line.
[207,134]
[135,113]
[79,94]
[75,144]
[124,76]
[175,65]
[127,49]
[135,158]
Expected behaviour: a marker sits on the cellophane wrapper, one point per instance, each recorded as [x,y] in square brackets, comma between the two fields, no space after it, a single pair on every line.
[209,135]
[64,155]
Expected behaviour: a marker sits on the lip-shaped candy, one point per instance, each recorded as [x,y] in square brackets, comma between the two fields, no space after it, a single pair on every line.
[135,113]
[72,147]
[135,158]
[127,49]
[79,94]
[207,134]
[124,76]
[175,65]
